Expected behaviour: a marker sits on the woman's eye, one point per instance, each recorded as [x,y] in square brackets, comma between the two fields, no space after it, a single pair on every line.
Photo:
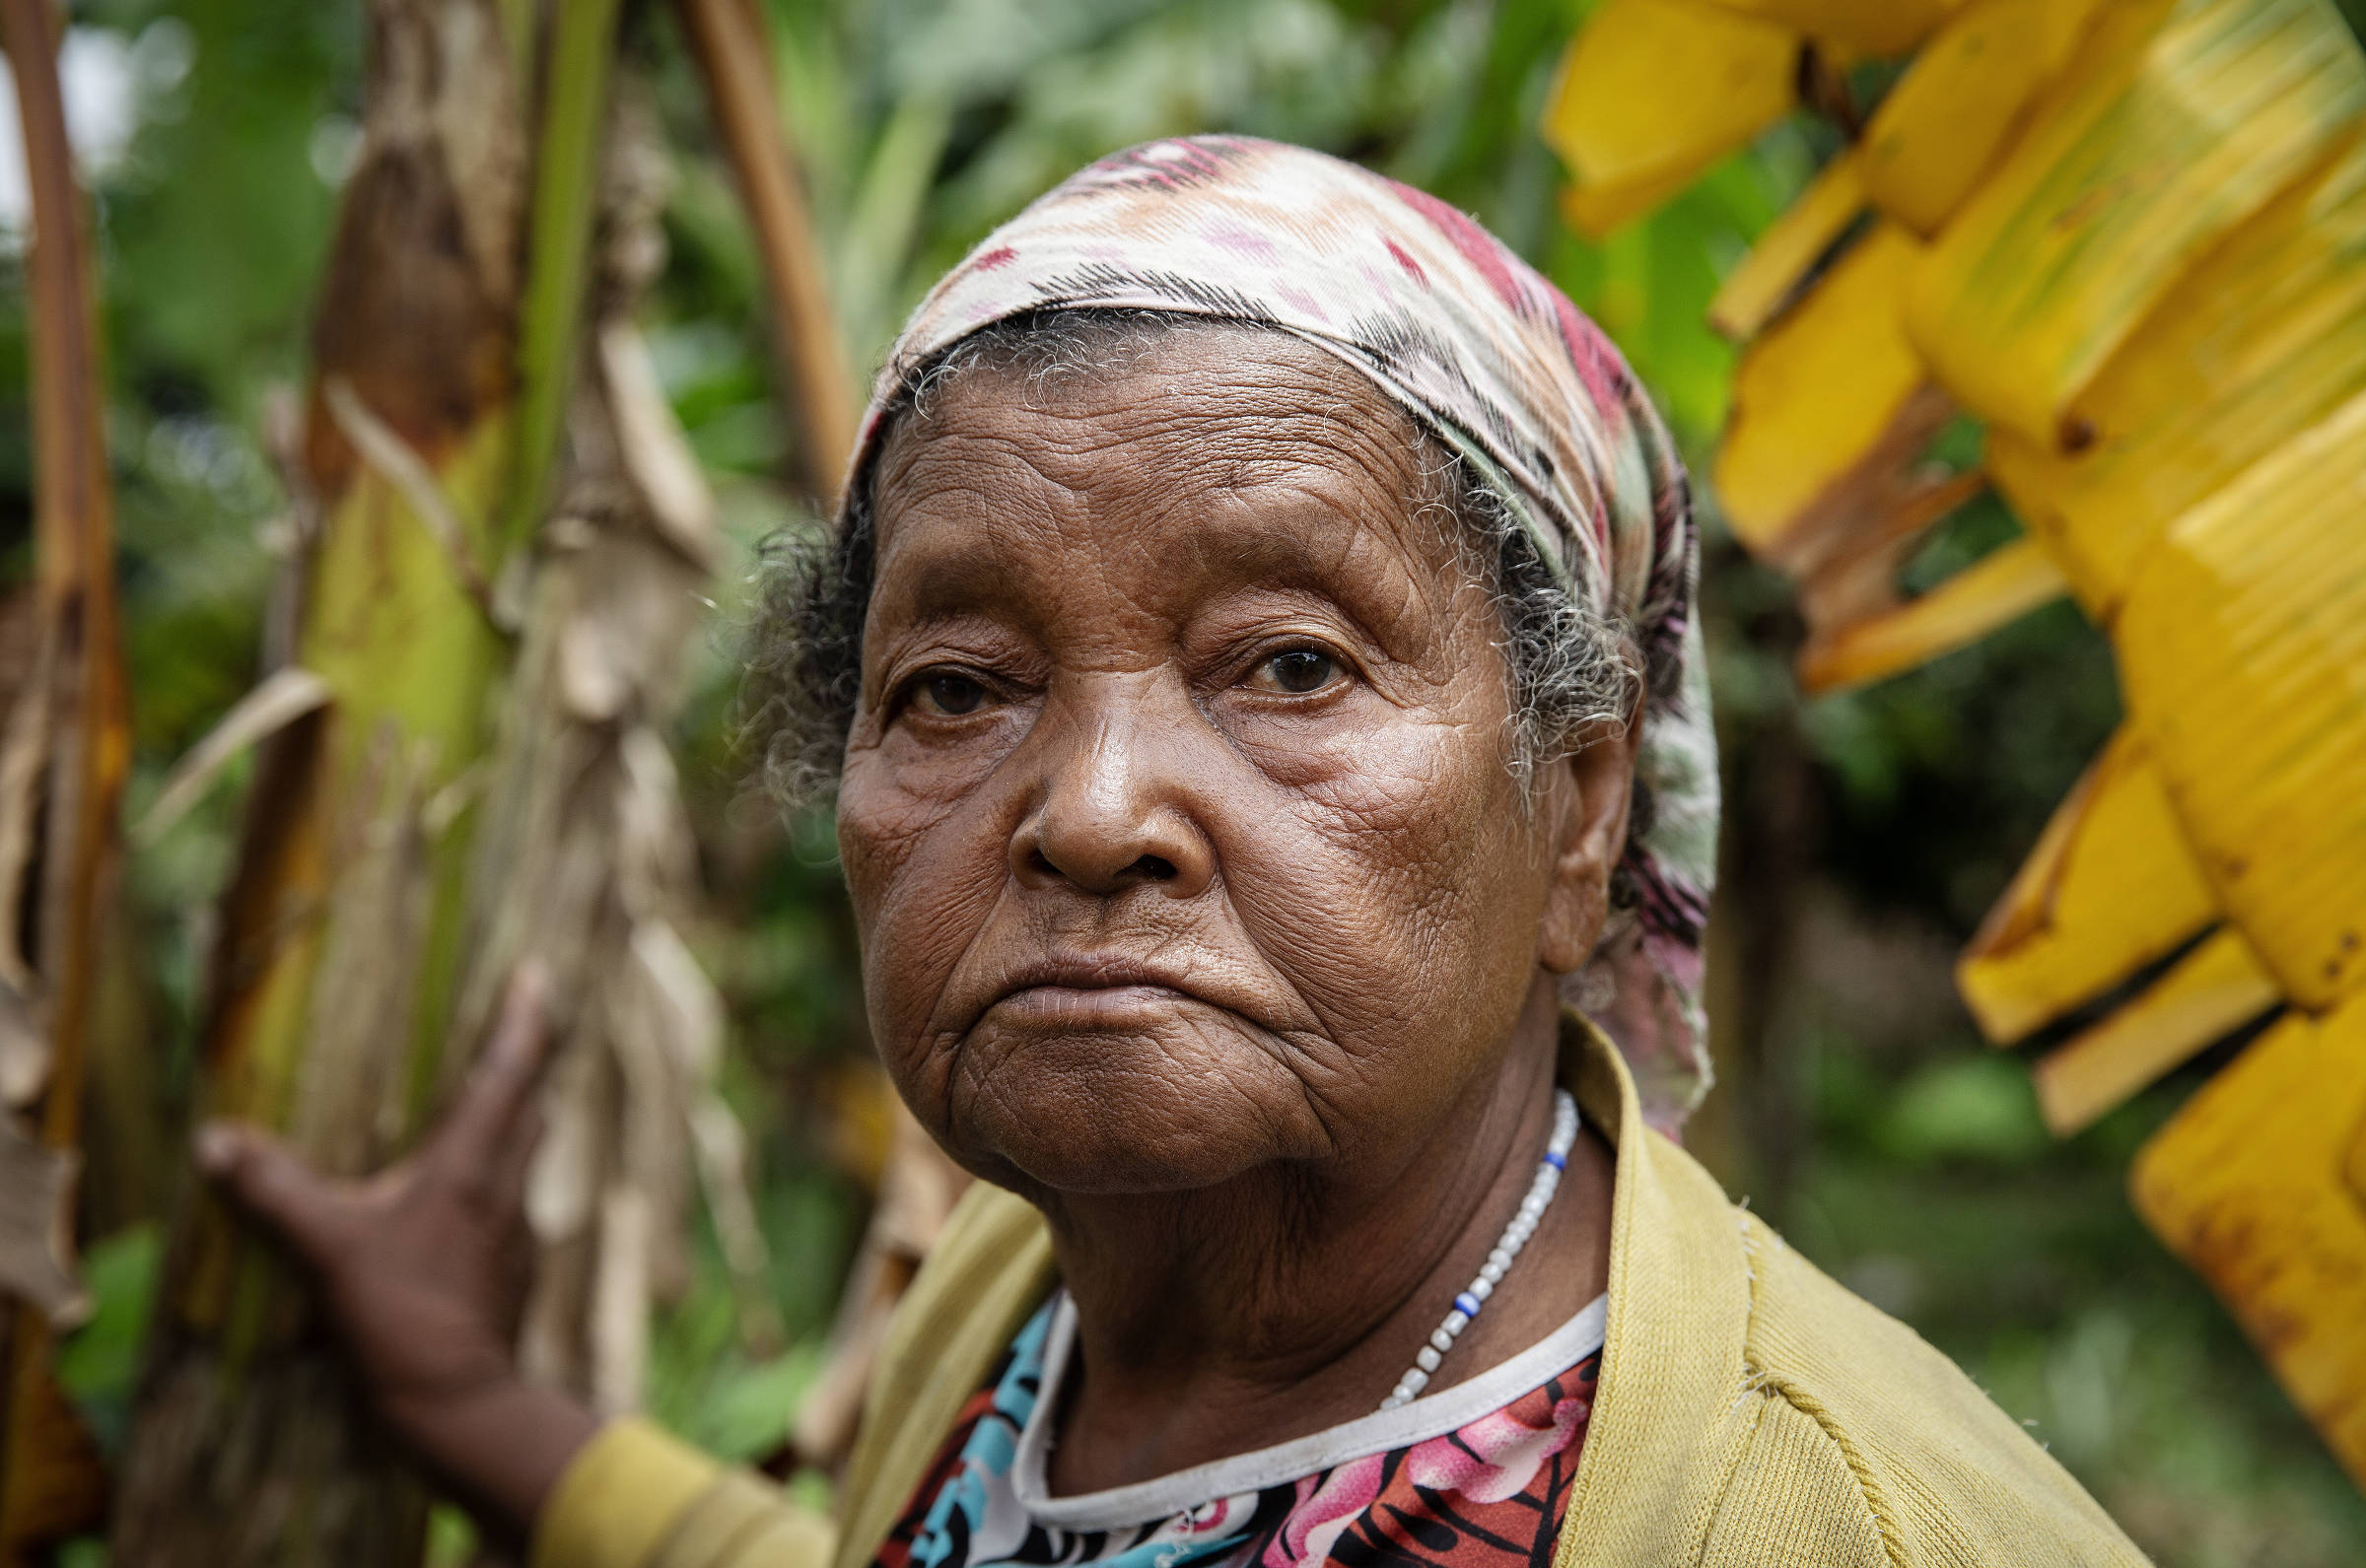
[948,695]
[1295,671]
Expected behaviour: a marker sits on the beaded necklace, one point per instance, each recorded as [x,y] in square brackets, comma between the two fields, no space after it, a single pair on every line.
[1508,1247]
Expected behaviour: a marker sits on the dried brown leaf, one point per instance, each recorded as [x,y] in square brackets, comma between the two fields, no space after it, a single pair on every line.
[24,1048]
[285,696]
[653,449]
[618,1330]
[24,762]
[37,1243]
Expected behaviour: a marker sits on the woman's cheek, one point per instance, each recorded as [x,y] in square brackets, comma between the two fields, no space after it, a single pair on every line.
[1357,884]
[922,872]
[1391,872]
[897,788]
[1403,791]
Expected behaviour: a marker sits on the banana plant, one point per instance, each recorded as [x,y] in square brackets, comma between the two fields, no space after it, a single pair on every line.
[2127,238]
[460,763]
[65,749]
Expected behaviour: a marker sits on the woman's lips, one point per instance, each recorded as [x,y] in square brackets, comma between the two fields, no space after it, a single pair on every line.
[1084,990]
[1086,1007]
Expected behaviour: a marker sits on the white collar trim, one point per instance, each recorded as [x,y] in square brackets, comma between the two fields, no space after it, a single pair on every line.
[1417,1422]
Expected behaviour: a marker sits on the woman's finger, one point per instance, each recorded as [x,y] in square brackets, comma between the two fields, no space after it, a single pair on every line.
[484,1120]
[273,1183]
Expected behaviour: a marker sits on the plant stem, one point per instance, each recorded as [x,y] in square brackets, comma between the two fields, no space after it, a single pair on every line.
[565,189]
[48,1481]
[730,54]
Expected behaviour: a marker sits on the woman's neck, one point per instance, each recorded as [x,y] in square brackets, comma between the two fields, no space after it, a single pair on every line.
[1219,1322]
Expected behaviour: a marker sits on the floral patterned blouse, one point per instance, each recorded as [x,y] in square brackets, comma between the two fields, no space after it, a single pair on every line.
[1473,1477]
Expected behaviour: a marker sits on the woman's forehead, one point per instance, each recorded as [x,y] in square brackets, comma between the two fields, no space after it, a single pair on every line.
[1204,375]
[1222,435]
[1179,476]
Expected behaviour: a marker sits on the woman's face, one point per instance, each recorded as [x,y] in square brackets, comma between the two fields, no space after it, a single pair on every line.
[1176,812]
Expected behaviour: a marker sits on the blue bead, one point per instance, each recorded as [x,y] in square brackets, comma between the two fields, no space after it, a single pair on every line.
[1467,1304]
[1558,1162]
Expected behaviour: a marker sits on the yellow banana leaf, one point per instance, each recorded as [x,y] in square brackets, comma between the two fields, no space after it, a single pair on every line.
[2243,653]
[2110,888]
[1771,274]
[1957,106]
[2130,237]
[2353,1165]
[2001,587]
[1826,397]
[1860,27]
[2159,141]
[2208,994]
[2238,1185]
[1633,139]
[2264,338]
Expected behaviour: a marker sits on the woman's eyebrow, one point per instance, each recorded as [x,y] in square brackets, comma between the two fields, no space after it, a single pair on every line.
[945,576]
[1353,544]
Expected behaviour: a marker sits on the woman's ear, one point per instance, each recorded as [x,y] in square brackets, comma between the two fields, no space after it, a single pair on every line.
[1583,808]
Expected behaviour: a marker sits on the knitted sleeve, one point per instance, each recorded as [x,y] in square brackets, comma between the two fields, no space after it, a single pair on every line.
[639,1498]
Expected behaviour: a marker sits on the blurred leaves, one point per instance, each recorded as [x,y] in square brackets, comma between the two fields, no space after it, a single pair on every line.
[1970,1108]
[99,1365]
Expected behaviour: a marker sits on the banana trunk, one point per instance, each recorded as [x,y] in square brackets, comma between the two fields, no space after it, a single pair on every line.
[504,539]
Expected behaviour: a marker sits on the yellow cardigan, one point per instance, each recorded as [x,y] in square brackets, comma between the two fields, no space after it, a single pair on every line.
[1750,1410]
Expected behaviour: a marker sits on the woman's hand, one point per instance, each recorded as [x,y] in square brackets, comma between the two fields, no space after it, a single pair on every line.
[424,1270]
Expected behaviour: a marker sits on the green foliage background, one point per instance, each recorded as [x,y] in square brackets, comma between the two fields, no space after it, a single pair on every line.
[1867,833]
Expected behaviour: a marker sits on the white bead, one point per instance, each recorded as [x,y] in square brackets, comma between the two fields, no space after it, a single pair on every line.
[1540,1188]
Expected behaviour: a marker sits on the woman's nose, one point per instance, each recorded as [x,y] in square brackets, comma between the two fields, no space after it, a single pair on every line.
[1112,812]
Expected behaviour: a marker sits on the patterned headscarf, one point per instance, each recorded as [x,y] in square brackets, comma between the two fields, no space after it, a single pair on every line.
[1502,367]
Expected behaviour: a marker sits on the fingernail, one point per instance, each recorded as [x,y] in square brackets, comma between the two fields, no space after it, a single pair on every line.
[216,1145]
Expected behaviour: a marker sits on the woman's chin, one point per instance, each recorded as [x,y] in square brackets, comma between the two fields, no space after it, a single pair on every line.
[1118,1114]
[1110,1167]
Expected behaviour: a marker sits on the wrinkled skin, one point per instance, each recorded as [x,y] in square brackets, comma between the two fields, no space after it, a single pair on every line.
[1199,904]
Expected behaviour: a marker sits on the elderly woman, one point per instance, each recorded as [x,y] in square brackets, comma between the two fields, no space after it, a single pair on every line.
[1257,668]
